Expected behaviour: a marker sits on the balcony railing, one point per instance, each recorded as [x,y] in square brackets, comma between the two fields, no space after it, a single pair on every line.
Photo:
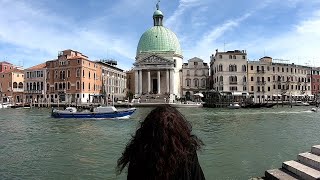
[233,82]
[17,90]
[261,82]
[33,91]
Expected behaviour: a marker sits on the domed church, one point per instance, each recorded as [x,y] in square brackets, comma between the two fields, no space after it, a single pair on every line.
[158,61]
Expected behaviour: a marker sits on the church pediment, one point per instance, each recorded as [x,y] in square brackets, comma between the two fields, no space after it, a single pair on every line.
[154,60]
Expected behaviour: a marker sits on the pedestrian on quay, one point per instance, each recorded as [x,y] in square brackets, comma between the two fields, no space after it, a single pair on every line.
[162,148]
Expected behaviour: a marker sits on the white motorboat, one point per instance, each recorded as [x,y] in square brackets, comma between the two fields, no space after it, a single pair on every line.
[315,109]
[5,105]
[302,104]
[234,106]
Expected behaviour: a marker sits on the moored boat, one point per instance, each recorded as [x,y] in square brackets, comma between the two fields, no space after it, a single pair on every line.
[234,106]
[187,105]
[101,112]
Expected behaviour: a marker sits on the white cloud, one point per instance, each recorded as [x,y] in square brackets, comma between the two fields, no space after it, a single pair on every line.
[37,30]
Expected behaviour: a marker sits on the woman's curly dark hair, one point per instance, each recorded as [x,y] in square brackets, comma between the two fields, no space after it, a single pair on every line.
[162,144]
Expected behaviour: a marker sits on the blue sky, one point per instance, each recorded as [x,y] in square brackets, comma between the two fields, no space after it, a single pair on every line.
[32,32]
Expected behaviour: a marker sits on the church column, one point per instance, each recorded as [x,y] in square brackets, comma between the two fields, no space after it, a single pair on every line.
[168,82]
[159,82]
[136,82]
[149,84]
[140,82]
[171,81]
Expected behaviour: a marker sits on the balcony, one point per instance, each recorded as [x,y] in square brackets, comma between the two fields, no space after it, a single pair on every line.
[17,90]
[33,91]
[261,82]
[233,83]
[261,71]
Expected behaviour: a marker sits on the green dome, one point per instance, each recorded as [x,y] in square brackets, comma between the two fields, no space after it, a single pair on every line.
[159,39]
[157,13]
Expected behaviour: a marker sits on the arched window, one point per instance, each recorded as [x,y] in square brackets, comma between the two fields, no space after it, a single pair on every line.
[48,87]
[234,57]
[221,79]
[27,86]
[68,87]
[15,85]
[188,72]
[203,82]
[56,86]
[188,82]
[78,73]
[244,79]
[196,82]
[220,56]
[34,86]
[38,86]
[89,76]
[61,75]
[230,56]
[41,86]
[220,67]
[244,68]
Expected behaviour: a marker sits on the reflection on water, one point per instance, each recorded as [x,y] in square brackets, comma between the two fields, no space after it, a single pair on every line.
[239,143]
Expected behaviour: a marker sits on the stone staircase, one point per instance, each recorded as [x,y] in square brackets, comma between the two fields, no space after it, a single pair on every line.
[306,167]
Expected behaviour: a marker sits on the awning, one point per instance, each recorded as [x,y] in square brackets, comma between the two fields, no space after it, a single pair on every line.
[199,94]
[238,94]
[279,95]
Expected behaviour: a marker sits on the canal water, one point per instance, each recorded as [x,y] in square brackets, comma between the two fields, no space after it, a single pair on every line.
[239,144]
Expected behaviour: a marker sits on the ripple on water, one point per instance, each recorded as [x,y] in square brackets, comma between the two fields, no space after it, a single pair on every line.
[239,143]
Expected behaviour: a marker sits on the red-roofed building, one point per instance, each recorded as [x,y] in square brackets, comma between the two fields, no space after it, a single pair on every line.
[5,66]
[11,84]
[73,78]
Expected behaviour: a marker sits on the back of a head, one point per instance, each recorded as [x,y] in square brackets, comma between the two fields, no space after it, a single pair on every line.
[161,145]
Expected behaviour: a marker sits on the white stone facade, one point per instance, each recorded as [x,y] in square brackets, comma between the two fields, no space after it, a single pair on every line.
[270,80]
[195,76]
[229,72]
[158,74]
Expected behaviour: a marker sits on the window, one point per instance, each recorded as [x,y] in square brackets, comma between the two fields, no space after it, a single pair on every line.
[252,78]
[220,56]
[243,57]
[230,56]
[195,63]
[78,73]
[252,88]
[221,79]
[68,86]
[83,73]
[196,82]
[220,67]
[244,68]
[251,67]
[78,85]
[82,85]
[232,68]
[244,79]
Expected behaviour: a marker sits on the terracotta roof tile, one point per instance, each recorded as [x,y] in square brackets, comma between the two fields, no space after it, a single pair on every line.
[39,66]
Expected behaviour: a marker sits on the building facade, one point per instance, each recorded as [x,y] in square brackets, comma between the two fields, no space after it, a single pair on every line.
[35,83]
[5,66]
[273,80]
[12,85]
[315,82]
[113,80]
[158,61]
[195,76]
[130,81]
[73,78]
[229,72]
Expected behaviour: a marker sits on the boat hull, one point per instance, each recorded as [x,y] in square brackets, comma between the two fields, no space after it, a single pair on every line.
[120,114]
